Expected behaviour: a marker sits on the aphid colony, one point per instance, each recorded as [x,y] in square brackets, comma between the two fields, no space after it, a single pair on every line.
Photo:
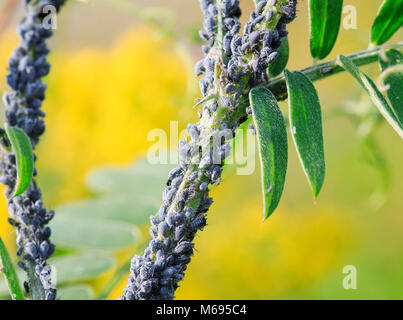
[232,65]
[27,65]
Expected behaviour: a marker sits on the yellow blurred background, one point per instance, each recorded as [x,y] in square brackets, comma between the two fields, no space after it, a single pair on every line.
[115,76]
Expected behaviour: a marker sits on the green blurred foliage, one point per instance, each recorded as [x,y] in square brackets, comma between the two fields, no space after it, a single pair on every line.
[114,87]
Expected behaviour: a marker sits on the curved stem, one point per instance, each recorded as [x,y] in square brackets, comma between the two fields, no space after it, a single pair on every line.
[330,68]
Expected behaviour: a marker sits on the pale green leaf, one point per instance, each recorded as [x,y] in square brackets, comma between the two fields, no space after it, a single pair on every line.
[22,149]
[278,65]
[393,80]
[306,127]
[8,270]
[325,17]
[76,232]
[273,147]
[376,96]
[388,20]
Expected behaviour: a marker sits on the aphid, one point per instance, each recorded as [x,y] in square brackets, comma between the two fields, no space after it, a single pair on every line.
[155,245]
[22,265]
[199,68]
[31,249]
[163,229]
[210,65]
[203,35]
[212,10]
[180,218]
[235,28]
[205,50]
[170,219]
[193,176]
[214,107]
[26,287]
[176,182]
[13,222]
[169,272]
[289,12]
[326,70]
[203,86]
[181,204]
[189,214]
[258,19]
[216,173]
[272,56]
[184,247]
[209,24]
[260,6]
[51,295]
[154,221]
[174,173]
[229,88]
[146,270]
[169,195]
[180,232]
[166,246]
[236,43]
[198,223]
[193,131]
[245,47]
[237,95]
[44,249]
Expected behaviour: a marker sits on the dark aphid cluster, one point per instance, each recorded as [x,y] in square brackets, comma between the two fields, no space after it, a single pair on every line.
[226,63]
[27,65]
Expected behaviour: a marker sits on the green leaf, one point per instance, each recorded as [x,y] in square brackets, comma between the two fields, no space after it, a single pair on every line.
[376,96]
[394,81]
[325,17]
[76,232]
[306,127]
[388,20]
[122,208]
[142,180]
[278,65]
[8,270]
[82,267]
[273,148]
[76,292]
[24,158]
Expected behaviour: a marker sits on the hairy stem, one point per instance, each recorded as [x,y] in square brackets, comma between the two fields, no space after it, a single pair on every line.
[330,68]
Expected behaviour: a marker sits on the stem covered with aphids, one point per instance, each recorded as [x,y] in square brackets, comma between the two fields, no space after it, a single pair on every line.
[27,65]
[234,62]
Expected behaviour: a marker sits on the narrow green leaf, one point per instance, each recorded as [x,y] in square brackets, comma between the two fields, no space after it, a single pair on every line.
[23,156]
[273,148]
[278,65]
[11,276]
[306,127]
[376,96]
[325,17]
[388,20]
[394,81]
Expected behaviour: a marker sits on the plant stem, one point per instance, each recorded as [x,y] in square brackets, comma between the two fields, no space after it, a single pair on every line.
[330,68]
